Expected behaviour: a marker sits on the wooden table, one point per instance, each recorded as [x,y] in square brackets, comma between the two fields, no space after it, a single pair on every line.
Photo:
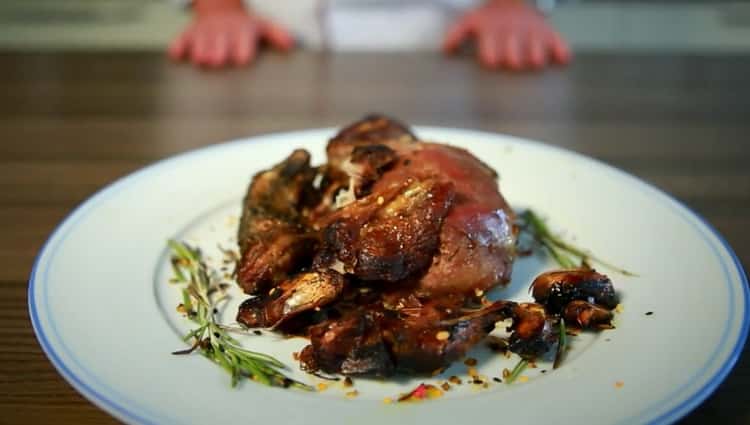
[71,123]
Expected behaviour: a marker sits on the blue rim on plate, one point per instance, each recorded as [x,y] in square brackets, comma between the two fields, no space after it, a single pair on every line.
[119,407]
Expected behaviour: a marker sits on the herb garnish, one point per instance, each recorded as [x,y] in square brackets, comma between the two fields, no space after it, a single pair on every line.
[516,371]
[562,344]
[200,298]
[562,252]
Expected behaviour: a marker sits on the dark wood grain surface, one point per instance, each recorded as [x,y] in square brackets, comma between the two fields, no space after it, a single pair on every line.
[71,123]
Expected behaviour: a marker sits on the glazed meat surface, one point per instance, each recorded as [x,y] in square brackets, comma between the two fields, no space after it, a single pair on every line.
[382,255]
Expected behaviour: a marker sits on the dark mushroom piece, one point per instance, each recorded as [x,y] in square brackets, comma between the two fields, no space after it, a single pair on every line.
[556,289]
[587,315]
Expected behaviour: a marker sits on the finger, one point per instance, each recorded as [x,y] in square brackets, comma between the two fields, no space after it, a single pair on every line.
[220,52]
[201,53]
[513,52]
[180,46]
[457,34]
[245,43]
[276,35]
[559,48]
[502,54]
[489,53]
[537,57]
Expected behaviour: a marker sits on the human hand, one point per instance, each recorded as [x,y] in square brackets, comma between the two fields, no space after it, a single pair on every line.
[509,34]
[223,32]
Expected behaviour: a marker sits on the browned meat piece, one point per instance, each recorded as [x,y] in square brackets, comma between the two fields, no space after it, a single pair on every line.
[477,240]
[556,289]
[388,236]
[273,241]
[418,337]
[371,130]
[304,292]
[587,315]
[276,249]
[283,191]
[374,157]
[352,345]
[429,340]
[365,166]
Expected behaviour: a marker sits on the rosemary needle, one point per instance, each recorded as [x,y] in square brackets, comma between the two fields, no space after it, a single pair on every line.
[562,344]
[200,297]
[516,371]
[558,249]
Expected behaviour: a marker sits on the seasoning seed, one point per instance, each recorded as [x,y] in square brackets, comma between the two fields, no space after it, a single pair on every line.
[348,382]
[470,361]
[648,313]
[352,394]
[322,386]
[619,384]
[454,380]
[387,400]
[446,386]
[496,379]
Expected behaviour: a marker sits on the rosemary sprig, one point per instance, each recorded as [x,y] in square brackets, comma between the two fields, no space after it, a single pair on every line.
[562,345]
[200,298]
[520,366]
[562,252]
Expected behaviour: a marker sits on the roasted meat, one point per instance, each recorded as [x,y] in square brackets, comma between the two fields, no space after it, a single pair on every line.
[303,292]
[477,237]
[420,337]
[274,241]
[382,255]
[396,238]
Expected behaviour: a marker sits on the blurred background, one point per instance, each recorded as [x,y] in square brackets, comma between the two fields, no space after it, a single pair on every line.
[659,89]
[675,25]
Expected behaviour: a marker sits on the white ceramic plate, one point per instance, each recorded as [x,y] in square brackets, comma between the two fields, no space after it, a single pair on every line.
[104,312]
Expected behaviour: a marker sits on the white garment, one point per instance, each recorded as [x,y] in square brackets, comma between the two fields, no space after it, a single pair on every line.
[365,24]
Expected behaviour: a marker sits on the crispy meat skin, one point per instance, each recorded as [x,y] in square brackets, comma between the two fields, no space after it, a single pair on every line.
[420,338]
[394,238]
[303,292]
[371,130]
[379,264]
[273,241]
